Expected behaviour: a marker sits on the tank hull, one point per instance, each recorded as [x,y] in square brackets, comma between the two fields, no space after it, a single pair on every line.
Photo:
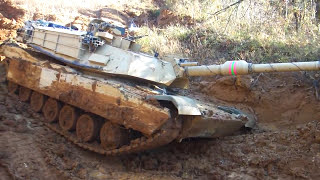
[157,118]
[97,96]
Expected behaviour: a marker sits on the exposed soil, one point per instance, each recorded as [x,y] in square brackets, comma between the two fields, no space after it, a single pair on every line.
[283,145]
[11,18]
[279,100]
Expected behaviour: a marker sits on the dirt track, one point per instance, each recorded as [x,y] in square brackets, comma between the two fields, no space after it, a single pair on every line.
[286,149]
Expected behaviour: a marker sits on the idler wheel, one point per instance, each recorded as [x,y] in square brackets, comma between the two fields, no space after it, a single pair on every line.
[37,101]
[51,110]
[12,87]
[24,94]
[112,136]
[86,128]
[68,118]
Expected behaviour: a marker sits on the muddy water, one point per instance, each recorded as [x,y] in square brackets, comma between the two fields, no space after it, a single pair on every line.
[286,143]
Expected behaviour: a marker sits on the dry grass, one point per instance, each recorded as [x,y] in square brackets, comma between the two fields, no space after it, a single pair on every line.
[164,41]
[260,31]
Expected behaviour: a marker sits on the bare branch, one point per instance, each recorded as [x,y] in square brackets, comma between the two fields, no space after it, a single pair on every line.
[224,9]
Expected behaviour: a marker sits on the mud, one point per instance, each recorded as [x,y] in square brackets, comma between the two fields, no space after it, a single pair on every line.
[11,18]
[283,145]
[280,101]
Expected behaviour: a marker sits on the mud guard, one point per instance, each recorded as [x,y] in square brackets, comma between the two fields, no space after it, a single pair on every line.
[184,105]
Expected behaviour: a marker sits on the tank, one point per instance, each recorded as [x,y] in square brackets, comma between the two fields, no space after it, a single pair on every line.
[100,92]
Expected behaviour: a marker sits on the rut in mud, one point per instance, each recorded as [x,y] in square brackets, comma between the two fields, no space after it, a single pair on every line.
[285,145]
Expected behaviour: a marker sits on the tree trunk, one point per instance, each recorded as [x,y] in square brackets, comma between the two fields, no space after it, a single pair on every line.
[318,10]
[297,16]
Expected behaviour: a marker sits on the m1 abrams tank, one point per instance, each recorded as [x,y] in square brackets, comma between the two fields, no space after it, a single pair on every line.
[100,92]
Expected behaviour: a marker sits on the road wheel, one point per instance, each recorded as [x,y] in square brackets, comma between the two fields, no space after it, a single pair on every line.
[51,110]
[68,118]
[112,136]
[37,101]
[24,94]
[87,128]
[12,87]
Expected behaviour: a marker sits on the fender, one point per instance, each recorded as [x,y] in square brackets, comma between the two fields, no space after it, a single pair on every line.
[185,105]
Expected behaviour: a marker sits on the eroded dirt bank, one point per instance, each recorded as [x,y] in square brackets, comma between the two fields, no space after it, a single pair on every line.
[285,145]
[280,101]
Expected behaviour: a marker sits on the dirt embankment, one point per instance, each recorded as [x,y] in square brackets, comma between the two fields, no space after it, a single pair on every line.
[279,100]
[11,18]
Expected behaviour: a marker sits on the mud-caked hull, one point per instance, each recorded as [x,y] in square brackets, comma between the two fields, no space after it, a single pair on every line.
[117,102]
[108,115]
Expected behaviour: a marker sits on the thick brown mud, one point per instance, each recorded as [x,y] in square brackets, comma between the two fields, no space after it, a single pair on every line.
[285,143]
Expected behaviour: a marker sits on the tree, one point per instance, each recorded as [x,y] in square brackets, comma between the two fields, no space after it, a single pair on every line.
[317,10]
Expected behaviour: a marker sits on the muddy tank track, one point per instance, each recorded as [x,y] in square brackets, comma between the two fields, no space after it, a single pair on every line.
[165,135]
[140,144]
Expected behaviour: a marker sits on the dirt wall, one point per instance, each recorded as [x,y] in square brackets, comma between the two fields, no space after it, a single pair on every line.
[279,100]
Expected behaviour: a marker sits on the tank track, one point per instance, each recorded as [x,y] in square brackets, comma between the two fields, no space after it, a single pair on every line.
[165,135]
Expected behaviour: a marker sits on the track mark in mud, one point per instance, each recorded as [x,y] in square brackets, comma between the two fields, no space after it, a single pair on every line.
[5,173]
[24,157]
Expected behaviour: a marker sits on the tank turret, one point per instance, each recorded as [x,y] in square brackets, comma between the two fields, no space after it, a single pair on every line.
[107,47]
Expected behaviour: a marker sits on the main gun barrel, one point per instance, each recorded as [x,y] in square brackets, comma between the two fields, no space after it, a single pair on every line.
[242,68]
